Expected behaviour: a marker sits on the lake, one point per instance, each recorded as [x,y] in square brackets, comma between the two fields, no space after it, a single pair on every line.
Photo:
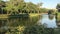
[49,21]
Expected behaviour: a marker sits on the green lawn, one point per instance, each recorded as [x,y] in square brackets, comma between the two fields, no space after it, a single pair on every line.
[33,14]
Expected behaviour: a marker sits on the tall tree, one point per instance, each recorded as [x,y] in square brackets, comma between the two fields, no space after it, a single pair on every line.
[21,6]
[2,5]
[39,6]
[12,6]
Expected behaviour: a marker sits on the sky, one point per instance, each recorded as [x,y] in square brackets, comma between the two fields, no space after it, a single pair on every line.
[50,4]
[5,0]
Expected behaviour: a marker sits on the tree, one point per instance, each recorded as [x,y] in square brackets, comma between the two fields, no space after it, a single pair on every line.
[19,6]
[43,10]
[30,7]
[2,6]
[58,7]
[12,6]
[39,6]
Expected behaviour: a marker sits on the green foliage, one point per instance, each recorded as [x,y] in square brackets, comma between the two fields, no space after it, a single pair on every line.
[58,6]
[19,6]
[33,30]
[44,10]
[37,29]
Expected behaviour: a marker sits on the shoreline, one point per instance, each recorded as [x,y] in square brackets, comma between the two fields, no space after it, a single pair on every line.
[30,15]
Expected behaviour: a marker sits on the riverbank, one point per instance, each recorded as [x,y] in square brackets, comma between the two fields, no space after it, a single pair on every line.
[21,15]
[12,16]
[4,16]
[33,14]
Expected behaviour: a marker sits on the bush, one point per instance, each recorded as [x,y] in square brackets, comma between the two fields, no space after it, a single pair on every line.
[36,29]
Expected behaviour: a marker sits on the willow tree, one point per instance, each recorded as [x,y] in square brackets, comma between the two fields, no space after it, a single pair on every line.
[39,7]
[19,6]
[30,7]
[26,7]
[33,8]
[0,0]
[2,5]
[8,7]
[12,6]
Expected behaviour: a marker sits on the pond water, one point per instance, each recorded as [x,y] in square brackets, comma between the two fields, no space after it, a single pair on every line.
[15,22]
[48,21]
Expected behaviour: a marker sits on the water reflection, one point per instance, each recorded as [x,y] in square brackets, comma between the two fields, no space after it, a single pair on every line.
[48,21]
[50,16]
[8,23]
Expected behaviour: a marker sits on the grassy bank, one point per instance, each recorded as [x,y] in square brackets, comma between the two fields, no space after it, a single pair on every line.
[33,14]
[3,16]
[21,15]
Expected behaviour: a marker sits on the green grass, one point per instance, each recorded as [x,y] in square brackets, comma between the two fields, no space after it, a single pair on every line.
[7,16]
[3,16]
[58,16]
[33,14]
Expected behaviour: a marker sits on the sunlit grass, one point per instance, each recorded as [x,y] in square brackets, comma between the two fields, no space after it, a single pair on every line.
[33,14]
[3,16]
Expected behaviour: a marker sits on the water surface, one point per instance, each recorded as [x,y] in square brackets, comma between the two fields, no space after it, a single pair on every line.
[48,21]
[44,19]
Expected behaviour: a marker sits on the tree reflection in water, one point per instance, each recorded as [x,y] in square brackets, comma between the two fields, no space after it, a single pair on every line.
[51,16]
[15,24]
